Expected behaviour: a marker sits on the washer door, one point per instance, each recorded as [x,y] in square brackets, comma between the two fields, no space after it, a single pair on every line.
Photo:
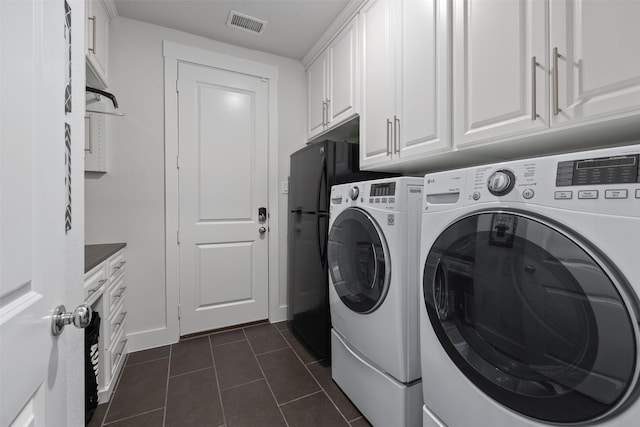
[358,260]
[531,317]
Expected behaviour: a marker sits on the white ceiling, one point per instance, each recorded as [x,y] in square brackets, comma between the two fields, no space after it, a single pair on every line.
[292,29]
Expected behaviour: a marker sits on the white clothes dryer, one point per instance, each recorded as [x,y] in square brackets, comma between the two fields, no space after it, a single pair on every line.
[372,256]
[530,282]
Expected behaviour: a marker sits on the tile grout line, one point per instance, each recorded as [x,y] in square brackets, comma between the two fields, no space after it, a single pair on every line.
[113,393]
[166,392]
[132,416]
[224,343]
[243,384]
[267,381]
[190,372]
[301,397]
[318,382]
[147,361]
[273,351]
[215,373]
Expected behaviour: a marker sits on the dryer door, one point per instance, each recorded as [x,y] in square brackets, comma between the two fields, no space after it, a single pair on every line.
[358,259]
[534,317]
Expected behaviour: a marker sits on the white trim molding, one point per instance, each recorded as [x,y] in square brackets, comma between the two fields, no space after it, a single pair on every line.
[352,8]
[174,54]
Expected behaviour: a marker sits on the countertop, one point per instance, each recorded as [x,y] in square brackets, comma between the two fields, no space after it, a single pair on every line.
[95,254]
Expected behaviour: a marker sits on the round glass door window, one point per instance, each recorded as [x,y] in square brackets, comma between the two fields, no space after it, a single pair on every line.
[531,317]
[358,260]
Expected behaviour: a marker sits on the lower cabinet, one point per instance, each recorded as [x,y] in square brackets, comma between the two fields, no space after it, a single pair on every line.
[105,291]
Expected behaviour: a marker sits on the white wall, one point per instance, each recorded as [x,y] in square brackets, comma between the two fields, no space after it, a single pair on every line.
[127,203]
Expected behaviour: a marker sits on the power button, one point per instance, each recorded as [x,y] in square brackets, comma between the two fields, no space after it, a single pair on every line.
[528,193]
[476,195]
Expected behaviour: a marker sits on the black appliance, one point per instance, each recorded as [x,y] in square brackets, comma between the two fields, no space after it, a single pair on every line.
[314,169]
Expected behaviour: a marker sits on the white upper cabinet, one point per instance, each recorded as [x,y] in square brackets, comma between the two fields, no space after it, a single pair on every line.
[527,66]
[597,49]
[499,68]
[377,87]
[97,42]
[317,95]
[405,80]
[332,82]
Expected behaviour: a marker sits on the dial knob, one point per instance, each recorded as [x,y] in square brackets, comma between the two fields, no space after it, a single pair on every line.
[354,192]
[501,182]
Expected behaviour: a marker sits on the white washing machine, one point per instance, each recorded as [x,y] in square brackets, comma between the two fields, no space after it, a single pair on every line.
[372,256]
[530,281]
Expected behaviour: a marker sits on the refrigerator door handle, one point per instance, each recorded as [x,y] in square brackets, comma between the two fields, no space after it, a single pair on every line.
[321,249]
[323,177]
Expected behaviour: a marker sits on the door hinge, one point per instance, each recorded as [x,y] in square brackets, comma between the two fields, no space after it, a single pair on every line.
[178,162]
[178,236]
[179,313]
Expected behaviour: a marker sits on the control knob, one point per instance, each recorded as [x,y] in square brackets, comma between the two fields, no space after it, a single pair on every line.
[354,192]
[501,182]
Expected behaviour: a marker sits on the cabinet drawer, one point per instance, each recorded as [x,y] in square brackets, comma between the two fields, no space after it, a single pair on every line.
[94,279]
[115,292]
[115,322]
[116,264]
[117,350]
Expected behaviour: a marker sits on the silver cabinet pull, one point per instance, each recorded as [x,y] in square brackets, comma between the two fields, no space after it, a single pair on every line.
[327,102]
[388,137]
[556,108]
[396,134]
[100,283]
[119,266]
[534,114]
[324,113]
[124,344]
[119,322]
[119,295]
[93,41]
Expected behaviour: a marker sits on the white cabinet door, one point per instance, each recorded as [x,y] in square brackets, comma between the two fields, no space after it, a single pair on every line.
[494,43]
[422,120]
[377,82]
[342,75]
[598,58]
[317,96]
[97,41]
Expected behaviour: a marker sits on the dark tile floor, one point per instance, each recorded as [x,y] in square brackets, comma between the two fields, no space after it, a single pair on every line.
[255,376]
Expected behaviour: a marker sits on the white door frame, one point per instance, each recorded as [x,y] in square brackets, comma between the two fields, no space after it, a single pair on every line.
[173,54]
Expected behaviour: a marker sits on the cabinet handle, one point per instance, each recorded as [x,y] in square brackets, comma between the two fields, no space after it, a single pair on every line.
[100,283]
[120,264]
[396,134]
[534,63]
[122,316]
[93,40]
[388,138]
[324,113]
[124,344]
[327,102]
[556,108]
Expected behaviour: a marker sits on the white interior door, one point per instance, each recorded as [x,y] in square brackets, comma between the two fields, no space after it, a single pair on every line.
[223,138]
[36,375]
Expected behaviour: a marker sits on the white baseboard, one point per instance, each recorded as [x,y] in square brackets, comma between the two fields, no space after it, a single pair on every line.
[144,340]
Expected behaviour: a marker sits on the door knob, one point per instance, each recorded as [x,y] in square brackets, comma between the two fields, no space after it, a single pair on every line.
[262,230]
[80,318]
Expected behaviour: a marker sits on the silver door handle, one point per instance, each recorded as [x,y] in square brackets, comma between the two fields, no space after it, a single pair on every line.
[324,113]
[262,230]
[80,318]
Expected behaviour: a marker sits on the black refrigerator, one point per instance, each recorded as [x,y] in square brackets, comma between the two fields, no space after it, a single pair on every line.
[314,169]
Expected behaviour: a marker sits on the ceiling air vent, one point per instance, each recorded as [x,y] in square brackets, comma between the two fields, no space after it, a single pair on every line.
[246,22]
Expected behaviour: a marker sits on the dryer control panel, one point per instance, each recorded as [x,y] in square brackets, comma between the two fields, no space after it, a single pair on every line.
[605,181]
